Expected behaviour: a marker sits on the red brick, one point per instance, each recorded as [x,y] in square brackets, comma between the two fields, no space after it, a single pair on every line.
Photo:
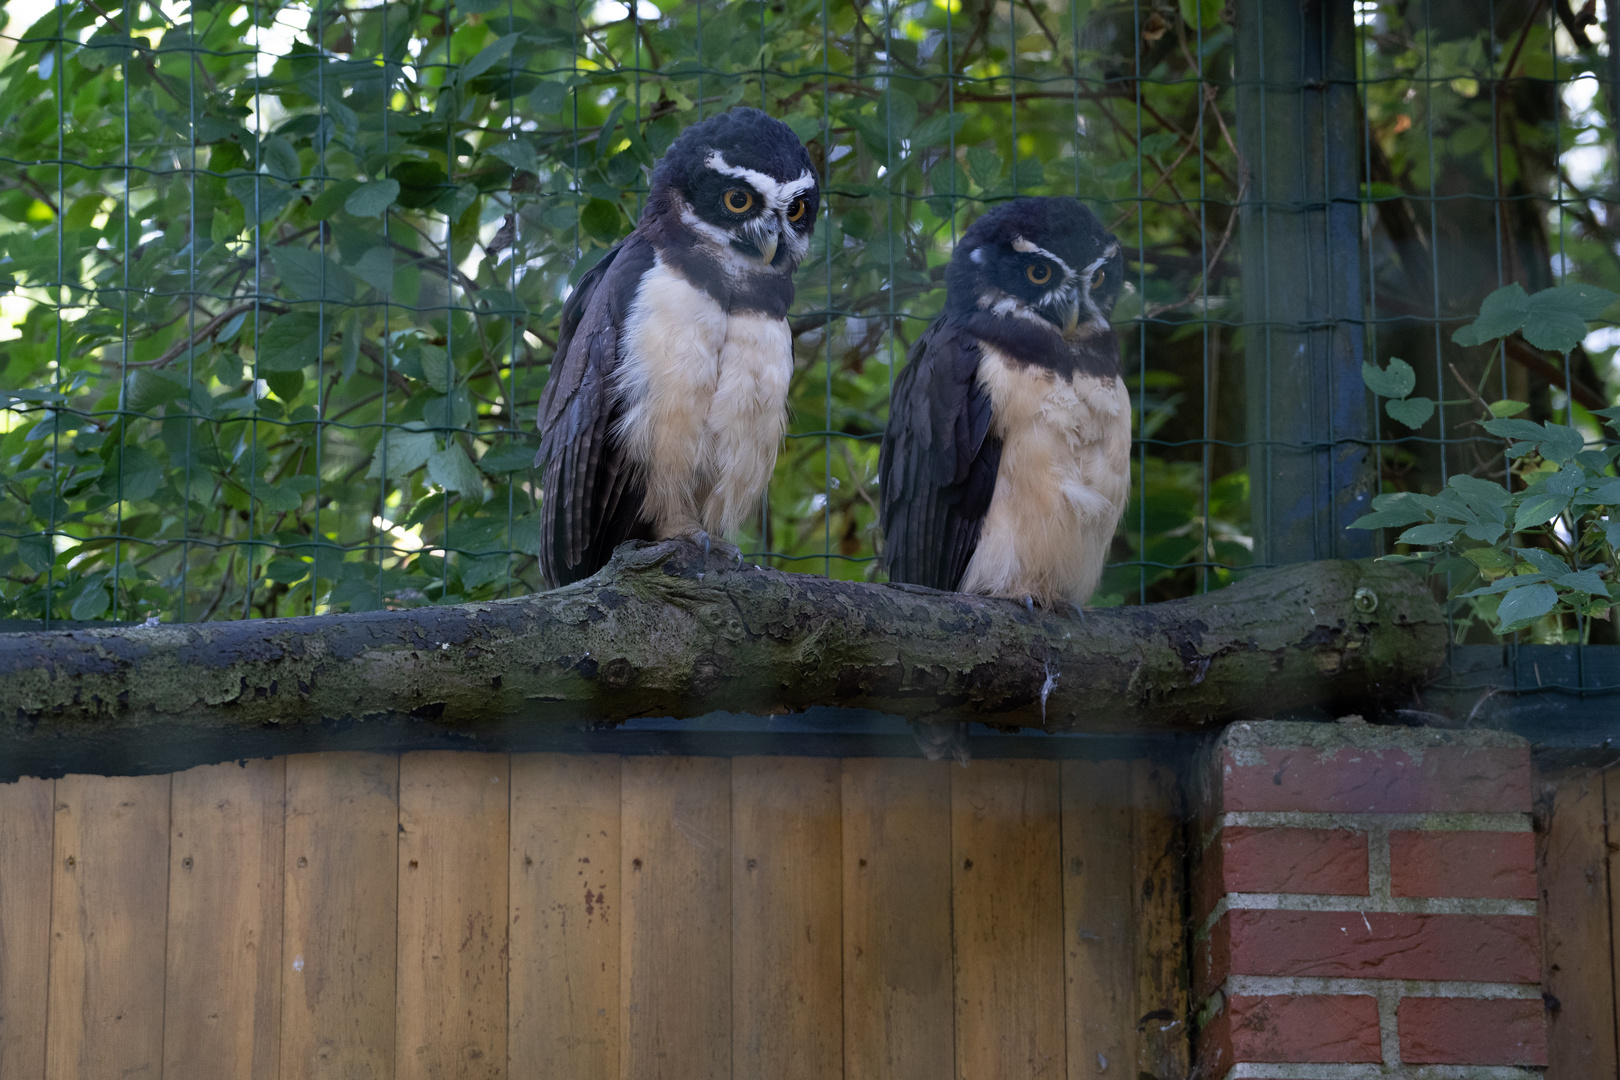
[1348,779]
[1308,1028]
[1468,1031]
[1464,864]
[1322,862]
[1374,945]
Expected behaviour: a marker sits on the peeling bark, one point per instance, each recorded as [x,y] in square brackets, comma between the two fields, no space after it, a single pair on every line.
[659,633]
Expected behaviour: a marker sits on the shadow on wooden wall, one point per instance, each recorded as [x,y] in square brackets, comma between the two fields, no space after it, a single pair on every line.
[362,917]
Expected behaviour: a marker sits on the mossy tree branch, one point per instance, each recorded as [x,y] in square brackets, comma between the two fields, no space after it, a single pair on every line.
[661,632]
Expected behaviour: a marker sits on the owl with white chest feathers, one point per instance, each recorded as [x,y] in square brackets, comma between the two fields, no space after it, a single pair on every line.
[667,399]
[1005,465]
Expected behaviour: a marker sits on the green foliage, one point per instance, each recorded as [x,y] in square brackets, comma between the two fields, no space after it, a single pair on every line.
[1542,545]
[290,276]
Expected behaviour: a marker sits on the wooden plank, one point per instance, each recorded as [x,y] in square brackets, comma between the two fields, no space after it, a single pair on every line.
[109,908]
[453,814]
[222,997]
[898,1020]
[1162,1010]
[1007,894]
[1576,922]
[25,925]
[1098,938]
[786,905]
[341,870]
[566,915]
[675,968]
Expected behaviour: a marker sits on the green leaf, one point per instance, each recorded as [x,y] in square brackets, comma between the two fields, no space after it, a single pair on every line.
[406,450]
[548,97]
[984,165]
[518,153]
[310,275]
[1508,407]
[1553,328]
[1588,302]
[371,200]
[376,268]
[131,474]
[1428,534]
[1490,561]
[1561,442]
[92,600]
[1514,429]
[488,56]
[451,470]
[1544,561]
[1538,509]
[292,341]
[36,552]
[285,384]
[1607,493]
[1395,381]
[145,390]
[1584,581]
[1486,532]
[1525,603]
[1502,312]
[278,498]
[602,220]
[510,458]
[437,370]
[285,571]
[1413,412]
[1479,493]
[329,201]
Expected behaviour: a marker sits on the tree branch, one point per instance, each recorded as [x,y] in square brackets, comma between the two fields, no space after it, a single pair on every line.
[659,633]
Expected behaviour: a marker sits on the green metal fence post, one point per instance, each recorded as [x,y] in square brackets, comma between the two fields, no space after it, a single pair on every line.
[1311,464]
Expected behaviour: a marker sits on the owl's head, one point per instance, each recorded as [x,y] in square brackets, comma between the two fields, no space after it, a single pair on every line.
[743,183]
[1038,258]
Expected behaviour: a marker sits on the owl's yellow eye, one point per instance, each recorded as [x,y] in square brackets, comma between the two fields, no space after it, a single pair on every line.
[1039,274]
[1099,281]
[738,201]
[796,210]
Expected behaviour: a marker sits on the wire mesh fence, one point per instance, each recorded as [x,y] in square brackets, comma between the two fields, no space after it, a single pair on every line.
[283,280]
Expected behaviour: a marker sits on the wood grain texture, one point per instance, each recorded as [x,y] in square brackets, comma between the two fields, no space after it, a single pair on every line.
[222,996]
[566,916]
[1007,894]
[1576,924]
[898,1017]
[1098,935]
[787,919]
[25,924]
[339,946]
[1162,1010]
[451,1018]
[109,907]
[675,969]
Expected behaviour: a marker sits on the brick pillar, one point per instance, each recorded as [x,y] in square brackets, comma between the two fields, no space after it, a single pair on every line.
[1365,905]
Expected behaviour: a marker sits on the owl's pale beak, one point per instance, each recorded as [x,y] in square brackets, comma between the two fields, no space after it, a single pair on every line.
[767,248]
[1071,318]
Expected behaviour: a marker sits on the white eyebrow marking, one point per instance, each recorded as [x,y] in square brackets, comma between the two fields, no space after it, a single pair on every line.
[1028,248]
[776,193]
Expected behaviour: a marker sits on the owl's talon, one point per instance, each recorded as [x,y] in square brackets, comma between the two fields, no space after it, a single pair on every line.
[1029,604]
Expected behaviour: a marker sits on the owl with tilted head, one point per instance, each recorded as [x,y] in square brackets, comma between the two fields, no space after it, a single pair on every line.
[667,399]
[1005,465]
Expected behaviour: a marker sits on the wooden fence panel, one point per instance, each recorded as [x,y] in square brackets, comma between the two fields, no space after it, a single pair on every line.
[109,914]
[787,923]
[898,993]
[566,914]
[26,815]
[463,915]
[341,933]
[1007,893]
[453,854]
[222,998]
[676,943]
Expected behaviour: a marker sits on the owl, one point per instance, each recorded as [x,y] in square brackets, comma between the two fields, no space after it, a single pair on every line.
[1005,465]
[667,399]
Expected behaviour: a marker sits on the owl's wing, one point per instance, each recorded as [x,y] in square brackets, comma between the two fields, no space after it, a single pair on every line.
[938,463]
[591,493]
